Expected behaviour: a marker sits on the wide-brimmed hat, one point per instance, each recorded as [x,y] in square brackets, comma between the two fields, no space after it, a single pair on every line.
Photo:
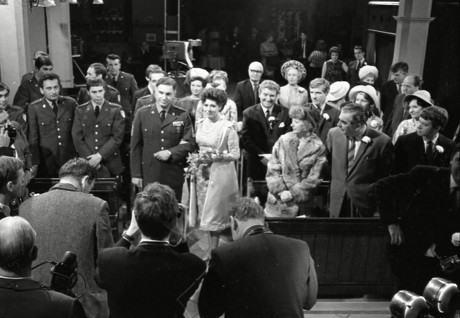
[337,90]
[295,64]
[194,73]
[421,94]
[368,89]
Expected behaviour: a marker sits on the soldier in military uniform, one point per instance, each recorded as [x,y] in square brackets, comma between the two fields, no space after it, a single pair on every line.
[27,76]
[97,70]
[50,124]
[29,91]
[98,131]
[162,137]
[15,113]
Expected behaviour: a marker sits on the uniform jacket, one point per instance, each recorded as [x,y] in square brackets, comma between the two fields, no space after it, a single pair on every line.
[111,95]
[127,86]
[329,119]
[149,136]
[50,136]
[372,162]
[353,73]
[138,94]
[244,97]
[102,135]
[27,92]
[260,275]
[409,151]
[258,136]
[54,215]
[147,281]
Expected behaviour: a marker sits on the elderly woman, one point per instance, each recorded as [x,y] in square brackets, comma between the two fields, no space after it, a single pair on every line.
[216,184]
[294,168]
[334,69]
[415,103]
[366,96]
[196,78]
[368,74]
[292,94]
[219,79]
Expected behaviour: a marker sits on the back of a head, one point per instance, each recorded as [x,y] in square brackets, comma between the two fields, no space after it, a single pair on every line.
[9,167]
[78,168]
[400,66]
[156,211]
[17,240]
[99,68]
[40,61]
[246,209]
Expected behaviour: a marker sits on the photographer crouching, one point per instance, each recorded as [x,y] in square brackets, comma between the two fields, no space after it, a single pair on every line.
[20,295]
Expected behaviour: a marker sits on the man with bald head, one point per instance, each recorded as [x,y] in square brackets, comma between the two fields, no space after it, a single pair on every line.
[246,92]
[20,295]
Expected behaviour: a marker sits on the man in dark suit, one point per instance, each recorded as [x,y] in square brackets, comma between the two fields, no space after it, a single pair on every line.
[152,74]
[22,296]
[247,91]
[29,90]
[98,130]
[262,125]
[260,274]
[151,279]
[326,116]
[359,156]
[50,128]
[390,89]
[426,146]
[302,49]
[355,65]
[97,70]
[161,140]
[68,218]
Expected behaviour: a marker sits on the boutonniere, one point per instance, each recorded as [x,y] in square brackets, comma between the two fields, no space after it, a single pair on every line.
[439,149]
[326,117]
[178,125]
[272,121]
[301,90]
[366,140]
[281,125]
[373,124]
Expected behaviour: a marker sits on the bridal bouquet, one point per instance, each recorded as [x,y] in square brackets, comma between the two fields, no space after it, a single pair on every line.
[202,159]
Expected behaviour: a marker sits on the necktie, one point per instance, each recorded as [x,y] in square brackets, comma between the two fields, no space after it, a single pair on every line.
[429,152]
[267,114]
[256,93]
[351,152]
[399,88]
[55,107]
[358,65]
[162,116]
[114,81]
[97,110]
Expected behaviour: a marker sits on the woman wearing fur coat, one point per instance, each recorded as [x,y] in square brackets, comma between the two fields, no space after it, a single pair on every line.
[294,167]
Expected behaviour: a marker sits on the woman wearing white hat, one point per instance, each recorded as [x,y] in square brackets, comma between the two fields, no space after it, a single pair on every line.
[415,103]
[366,96]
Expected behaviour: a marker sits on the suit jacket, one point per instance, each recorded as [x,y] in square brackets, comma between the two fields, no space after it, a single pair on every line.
[29,299]
[27,93]
[297,52]
[328,120]
[138,94]
[50,136]
[147,281]
[149,136]
[244,97]
[102,135]
[409,151]
[54,215]
[127,86]
[353,73]
[260,275]
[372,162]
[258,137]
[111,95]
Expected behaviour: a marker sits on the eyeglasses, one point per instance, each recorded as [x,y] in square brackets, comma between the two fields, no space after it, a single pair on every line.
[256,71]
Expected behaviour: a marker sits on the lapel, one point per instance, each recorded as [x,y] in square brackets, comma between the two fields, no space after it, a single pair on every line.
[362,149]
[322,120]
[341,146]
[250,92]
[104,112]
[421,149]
[260,113]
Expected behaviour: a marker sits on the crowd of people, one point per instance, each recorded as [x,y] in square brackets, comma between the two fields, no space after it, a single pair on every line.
[368,142]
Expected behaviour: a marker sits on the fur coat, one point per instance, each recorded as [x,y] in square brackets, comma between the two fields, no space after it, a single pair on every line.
[295,166]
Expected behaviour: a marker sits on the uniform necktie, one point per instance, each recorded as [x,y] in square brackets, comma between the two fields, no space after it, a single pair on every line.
[256,93]
[162,115]
[114,80]
[97,110]
[55,107]
[351,152]
[429,152]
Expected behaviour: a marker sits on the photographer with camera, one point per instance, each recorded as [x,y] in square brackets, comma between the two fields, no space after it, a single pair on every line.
[20,295]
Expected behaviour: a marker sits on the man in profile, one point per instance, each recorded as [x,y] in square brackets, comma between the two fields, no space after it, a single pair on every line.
[20,295]
[12,183]
[259,275]
[68,218]
[152,279]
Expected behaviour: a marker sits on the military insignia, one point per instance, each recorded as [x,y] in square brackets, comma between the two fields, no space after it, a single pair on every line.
[178,123]
[122,113]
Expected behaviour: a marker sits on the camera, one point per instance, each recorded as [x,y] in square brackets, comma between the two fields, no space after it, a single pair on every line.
[12,133]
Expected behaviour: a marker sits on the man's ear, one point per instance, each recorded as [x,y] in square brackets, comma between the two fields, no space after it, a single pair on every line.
[10,186]
[42,91]
[34,253]
[234,223]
